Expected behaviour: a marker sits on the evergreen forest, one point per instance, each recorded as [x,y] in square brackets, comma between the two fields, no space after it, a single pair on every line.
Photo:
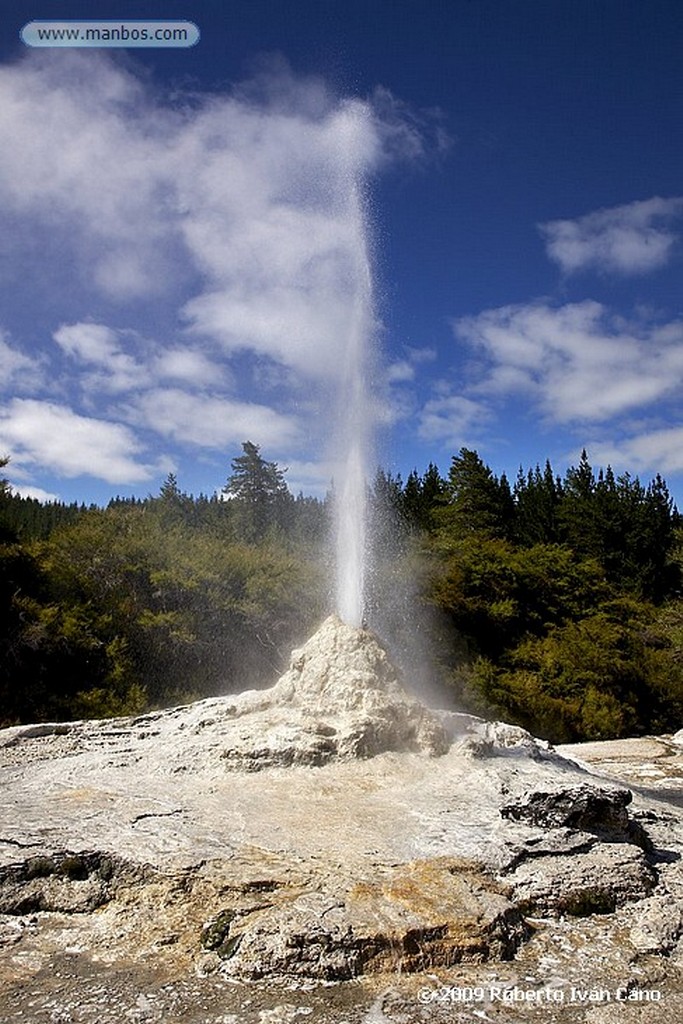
[552,602]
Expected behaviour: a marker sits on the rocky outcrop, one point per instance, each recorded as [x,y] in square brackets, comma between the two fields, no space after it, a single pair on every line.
[589,881]
[584,854]
[584,808]
[659,925]
[412,917]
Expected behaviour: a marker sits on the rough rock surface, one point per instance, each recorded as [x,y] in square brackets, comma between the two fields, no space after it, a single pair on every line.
[409,917]
[340,699]
[658,926]
[229,860]
[588,808]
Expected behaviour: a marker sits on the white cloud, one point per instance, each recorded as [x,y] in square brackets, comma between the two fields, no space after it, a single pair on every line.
[310,477]
[399,403]
[426,354]
[53,437]
[575,361]
[400,372]
[81,153]
[256,205]
[392,405]
[97,345]
[452,420]
[17,370]
[211,421]
[658,450]
[276,224]
[94,343]
[407,133]
[632,239]
[100,346]
[34,492]
[190,366]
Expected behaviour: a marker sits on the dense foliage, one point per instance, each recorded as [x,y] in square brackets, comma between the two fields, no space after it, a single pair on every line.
[562,591]
[554,602]
[151,602]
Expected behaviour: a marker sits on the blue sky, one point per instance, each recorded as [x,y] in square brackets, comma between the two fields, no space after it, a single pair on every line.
[179,239]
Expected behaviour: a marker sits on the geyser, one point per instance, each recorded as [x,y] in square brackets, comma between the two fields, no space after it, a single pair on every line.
[340,700]
[355,419]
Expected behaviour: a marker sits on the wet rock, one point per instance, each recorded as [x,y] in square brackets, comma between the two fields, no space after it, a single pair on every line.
[548,843]
[216,934]
[588,808]
[63,882]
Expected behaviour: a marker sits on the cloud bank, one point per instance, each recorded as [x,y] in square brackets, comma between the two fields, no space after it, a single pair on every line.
[45,434]
[240,215]
[578,367]
[576,362]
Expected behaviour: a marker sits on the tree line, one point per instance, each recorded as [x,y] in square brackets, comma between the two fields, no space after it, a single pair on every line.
[555,601]
[565,593]
[110,611]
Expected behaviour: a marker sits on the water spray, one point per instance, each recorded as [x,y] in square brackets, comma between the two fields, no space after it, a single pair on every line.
[356,414]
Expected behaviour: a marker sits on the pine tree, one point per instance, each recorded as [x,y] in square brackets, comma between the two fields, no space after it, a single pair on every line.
[478,500]
[258,489]
[7,533]
[577,511]
[654,541]
[169,489]
[537,496]
[412,502]
[433,486]
[173,505]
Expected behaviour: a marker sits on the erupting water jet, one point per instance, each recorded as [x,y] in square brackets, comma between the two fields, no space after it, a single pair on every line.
[356,414]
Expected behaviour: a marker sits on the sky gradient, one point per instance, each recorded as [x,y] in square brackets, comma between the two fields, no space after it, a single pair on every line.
[180,240]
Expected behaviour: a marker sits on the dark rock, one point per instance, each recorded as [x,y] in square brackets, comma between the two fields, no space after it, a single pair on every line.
[65,882]
[585,808]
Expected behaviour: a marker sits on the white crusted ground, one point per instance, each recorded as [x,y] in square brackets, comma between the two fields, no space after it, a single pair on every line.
[328,826]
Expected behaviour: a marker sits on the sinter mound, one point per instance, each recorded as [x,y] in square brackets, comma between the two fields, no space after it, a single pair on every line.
[341,698]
